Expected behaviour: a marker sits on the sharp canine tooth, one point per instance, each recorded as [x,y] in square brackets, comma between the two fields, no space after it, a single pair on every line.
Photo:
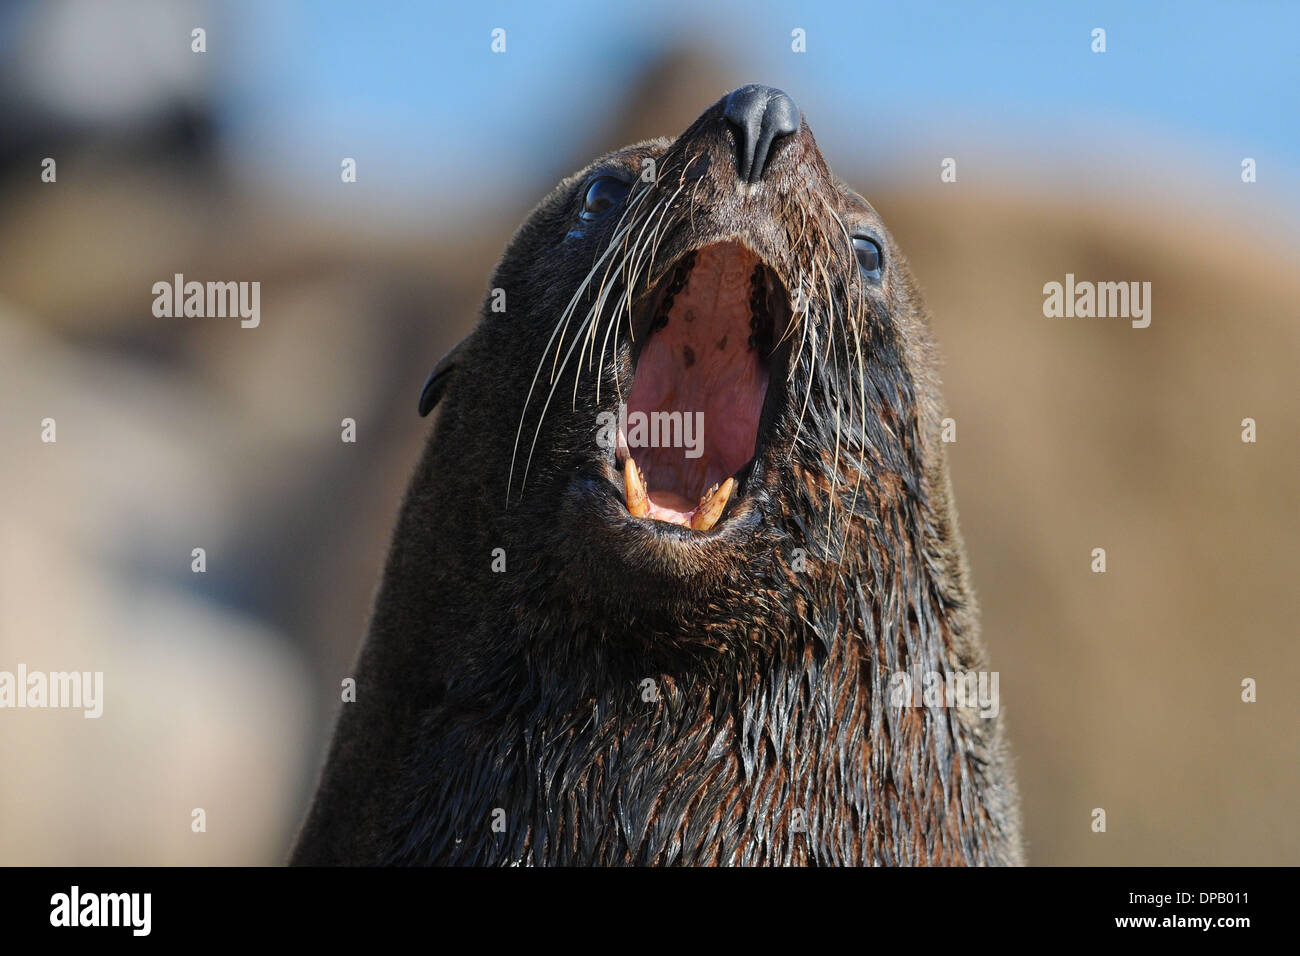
[711,505]
[638,503]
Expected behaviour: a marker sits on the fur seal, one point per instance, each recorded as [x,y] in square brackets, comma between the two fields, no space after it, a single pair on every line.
[618,650]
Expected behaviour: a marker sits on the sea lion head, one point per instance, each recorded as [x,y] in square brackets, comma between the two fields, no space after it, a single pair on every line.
[726,314]
[576,636]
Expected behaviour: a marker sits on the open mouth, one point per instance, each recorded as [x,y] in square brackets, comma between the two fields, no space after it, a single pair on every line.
[689,436]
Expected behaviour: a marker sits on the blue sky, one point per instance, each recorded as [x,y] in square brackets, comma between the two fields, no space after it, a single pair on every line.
[413,91]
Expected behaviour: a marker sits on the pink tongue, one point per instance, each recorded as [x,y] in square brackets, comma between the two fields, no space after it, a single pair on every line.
[671,507]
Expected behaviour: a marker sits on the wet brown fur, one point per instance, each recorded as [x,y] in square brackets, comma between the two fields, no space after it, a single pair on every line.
[518,698]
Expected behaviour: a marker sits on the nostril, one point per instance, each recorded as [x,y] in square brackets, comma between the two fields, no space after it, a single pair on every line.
[759,116]
[746,141]
[782,115]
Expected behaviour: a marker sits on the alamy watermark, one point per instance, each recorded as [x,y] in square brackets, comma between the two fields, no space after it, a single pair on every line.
[75,908]
[652,430]
[1124,300]
[56,690]
[215,300]
[973,689]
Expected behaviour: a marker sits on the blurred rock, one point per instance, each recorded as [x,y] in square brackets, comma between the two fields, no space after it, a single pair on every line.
[203,706]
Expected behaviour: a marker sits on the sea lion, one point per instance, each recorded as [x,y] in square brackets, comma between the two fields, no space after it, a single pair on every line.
[589,648]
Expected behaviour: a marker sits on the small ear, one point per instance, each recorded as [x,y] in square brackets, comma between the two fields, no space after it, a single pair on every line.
[437,381]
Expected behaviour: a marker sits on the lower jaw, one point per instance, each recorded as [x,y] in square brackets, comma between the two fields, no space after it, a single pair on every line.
[595,501]
[671,509]
[628,566]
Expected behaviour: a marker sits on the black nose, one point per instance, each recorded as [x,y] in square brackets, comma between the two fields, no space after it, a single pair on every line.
[761,116]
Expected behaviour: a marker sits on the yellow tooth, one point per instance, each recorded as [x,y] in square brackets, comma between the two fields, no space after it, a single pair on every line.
[711,505]
[638,503]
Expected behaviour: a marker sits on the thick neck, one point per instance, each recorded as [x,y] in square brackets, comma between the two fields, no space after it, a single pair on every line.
[777,754]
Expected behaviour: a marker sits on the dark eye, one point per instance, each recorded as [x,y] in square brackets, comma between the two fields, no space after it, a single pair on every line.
[604,193]
[868,255]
